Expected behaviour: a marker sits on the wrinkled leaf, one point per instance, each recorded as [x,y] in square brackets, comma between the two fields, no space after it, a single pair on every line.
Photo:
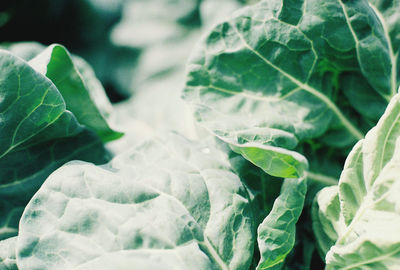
[38,134]
[338,81]
[364,225]
[166,204]
[276,234]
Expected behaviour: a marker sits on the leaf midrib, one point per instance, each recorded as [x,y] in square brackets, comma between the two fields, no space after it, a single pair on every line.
[346,122]
[12,145]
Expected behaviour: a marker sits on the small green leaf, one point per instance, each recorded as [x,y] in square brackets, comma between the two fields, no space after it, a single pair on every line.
[276,234]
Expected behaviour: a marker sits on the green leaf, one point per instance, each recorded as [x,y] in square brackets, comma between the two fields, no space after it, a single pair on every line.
[364,230]
[167,204]
[244,90]
[276,234]
[38,134]
[275,161]
[7,254]
[56,64]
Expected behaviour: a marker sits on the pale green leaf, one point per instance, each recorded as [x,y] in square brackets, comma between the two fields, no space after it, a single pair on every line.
[367,236]
[326,218]
[167,204]
[276,234]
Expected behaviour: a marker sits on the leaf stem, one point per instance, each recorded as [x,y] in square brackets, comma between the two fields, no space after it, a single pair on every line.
[321,178]
[214,254]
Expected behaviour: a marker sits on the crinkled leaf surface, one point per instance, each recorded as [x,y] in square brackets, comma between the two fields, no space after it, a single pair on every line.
[276,234]
[7,254]
[362,216]
[338,81]
[38,134]
[277,206]
[166,204]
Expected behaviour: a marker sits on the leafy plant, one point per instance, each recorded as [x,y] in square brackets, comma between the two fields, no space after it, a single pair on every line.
[278,96]
[48,118]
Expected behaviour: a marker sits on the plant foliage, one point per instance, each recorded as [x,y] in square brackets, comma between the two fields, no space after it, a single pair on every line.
[263,163]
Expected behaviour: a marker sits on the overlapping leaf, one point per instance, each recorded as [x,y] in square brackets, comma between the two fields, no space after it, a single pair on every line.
[38,133]
[57,65]
[276,234]
[166,204]
[358,223]
[282,72]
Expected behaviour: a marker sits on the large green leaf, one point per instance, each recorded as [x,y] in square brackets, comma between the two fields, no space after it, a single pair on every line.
[360,220]
[38,134]
[280,73]
[7,254]
[167,204]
